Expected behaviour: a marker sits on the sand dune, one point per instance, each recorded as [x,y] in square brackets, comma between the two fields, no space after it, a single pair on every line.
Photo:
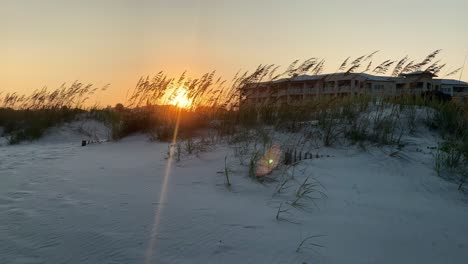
[63,203]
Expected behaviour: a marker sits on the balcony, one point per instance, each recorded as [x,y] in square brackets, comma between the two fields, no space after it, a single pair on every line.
[295,91]
[311,90]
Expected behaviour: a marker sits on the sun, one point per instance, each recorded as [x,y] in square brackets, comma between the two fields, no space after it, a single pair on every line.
[181,98]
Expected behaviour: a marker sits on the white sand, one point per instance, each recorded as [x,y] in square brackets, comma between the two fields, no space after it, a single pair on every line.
[62,203]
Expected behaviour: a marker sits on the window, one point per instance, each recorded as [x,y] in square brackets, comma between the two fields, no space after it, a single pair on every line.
[311,85]
[445,90]
[378,87]
[344,83]
[458,89]
[330,84]
[417,85]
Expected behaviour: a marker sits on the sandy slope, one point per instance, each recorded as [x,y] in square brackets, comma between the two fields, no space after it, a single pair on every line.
[69,133]
[62,203]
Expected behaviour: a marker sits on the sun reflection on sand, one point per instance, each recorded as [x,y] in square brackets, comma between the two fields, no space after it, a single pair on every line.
[151,250]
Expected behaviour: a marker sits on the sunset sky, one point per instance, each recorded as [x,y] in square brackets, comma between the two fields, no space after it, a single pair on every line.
[46,43]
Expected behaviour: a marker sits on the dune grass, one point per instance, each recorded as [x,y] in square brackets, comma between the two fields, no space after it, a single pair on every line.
[216,106]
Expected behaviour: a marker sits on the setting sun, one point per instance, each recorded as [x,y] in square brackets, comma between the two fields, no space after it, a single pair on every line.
[180,98]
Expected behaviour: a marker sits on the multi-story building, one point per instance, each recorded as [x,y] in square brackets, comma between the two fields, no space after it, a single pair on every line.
[303,88]
[458,90]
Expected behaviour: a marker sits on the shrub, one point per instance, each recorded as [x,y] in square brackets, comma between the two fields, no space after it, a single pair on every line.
[451,156]
[447,118]
[24,125]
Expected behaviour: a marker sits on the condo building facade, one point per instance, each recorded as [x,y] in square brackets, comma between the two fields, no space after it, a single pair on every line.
[300,89]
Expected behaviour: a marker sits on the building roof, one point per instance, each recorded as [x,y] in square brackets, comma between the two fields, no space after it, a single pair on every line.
[366,76]
[378,78]
[303,77]
[418,73]
[453,82]
[306,77]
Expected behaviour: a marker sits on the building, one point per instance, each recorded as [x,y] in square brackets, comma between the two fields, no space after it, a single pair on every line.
[303,88]
[458,90]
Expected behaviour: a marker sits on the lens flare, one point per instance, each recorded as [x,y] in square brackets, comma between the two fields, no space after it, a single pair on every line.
[269,161]
[150,251]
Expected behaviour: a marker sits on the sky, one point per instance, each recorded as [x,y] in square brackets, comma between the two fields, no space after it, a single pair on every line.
[50,42]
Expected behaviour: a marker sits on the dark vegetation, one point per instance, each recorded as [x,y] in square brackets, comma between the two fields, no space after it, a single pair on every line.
[21,125]
[28,117]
